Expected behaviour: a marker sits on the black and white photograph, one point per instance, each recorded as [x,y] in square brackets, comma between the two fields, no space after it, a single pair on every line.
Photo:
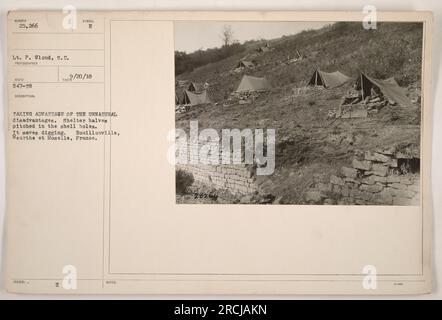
[223,151]
[298,113]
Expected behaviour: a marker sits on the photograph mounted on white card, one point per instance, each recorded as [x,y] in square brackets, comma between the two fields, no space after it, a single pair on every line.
[218,152]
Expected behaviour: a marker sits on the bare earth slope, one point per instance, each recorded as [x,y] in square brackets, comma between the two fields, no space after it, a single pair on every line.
[309,143]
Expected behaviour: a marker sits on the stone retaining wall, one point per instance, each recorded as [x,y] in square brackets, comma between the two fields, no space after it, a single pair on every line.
[383,177]
[238,179]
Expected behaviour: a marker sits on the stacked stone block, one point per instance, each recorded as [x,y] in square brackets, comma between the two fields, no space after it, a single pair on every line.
[238,179]
[372,178]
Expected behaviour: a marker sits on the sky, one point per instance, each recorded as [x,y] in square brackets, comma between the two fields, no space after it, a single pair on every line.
[194,35]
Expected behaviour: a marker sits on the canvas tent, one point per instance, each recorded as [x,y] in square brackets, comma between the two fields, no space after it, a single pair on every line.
[195,98]
[263,49]
[249,83]
[195,87]
[327,80]
[245,64]
[389,88]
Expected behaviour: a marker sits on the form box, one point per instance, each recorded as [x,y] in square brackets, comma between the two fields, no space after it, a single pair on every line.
[69,96]
[58,41]
[33,74]
[65,57]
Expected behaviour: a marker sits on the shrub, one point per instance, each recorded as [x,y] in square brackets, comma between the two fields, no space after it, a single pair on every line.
[187,62]
[183,180]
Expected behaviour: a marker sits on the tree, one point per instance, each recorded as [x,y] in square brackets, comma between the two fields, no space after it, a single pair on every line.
[227,35]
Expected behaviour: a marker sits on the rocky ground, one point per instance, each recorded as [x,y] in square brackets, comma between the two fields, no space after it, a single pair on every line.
[311,146]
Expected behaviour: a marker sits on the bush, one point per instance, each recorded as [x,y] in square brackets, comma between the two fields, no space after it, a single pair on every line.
[187,62]
[183,180]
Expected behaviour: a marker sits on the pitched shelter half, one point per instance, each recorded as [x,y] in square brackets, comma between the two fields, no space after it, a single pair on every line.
[388,87]
[264,49]
[249,83]
[327,80]
[245,64]
[195,87]
[195,98]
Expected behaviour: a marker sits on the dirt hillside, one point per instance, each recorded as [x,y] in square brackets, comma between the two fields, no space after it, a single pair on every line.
[309,142]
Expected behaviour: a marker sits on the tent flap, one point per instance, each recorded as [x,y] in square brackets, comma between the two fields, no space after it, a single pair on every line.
[195,87]
[245,64]
[194,98]
[388,87]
